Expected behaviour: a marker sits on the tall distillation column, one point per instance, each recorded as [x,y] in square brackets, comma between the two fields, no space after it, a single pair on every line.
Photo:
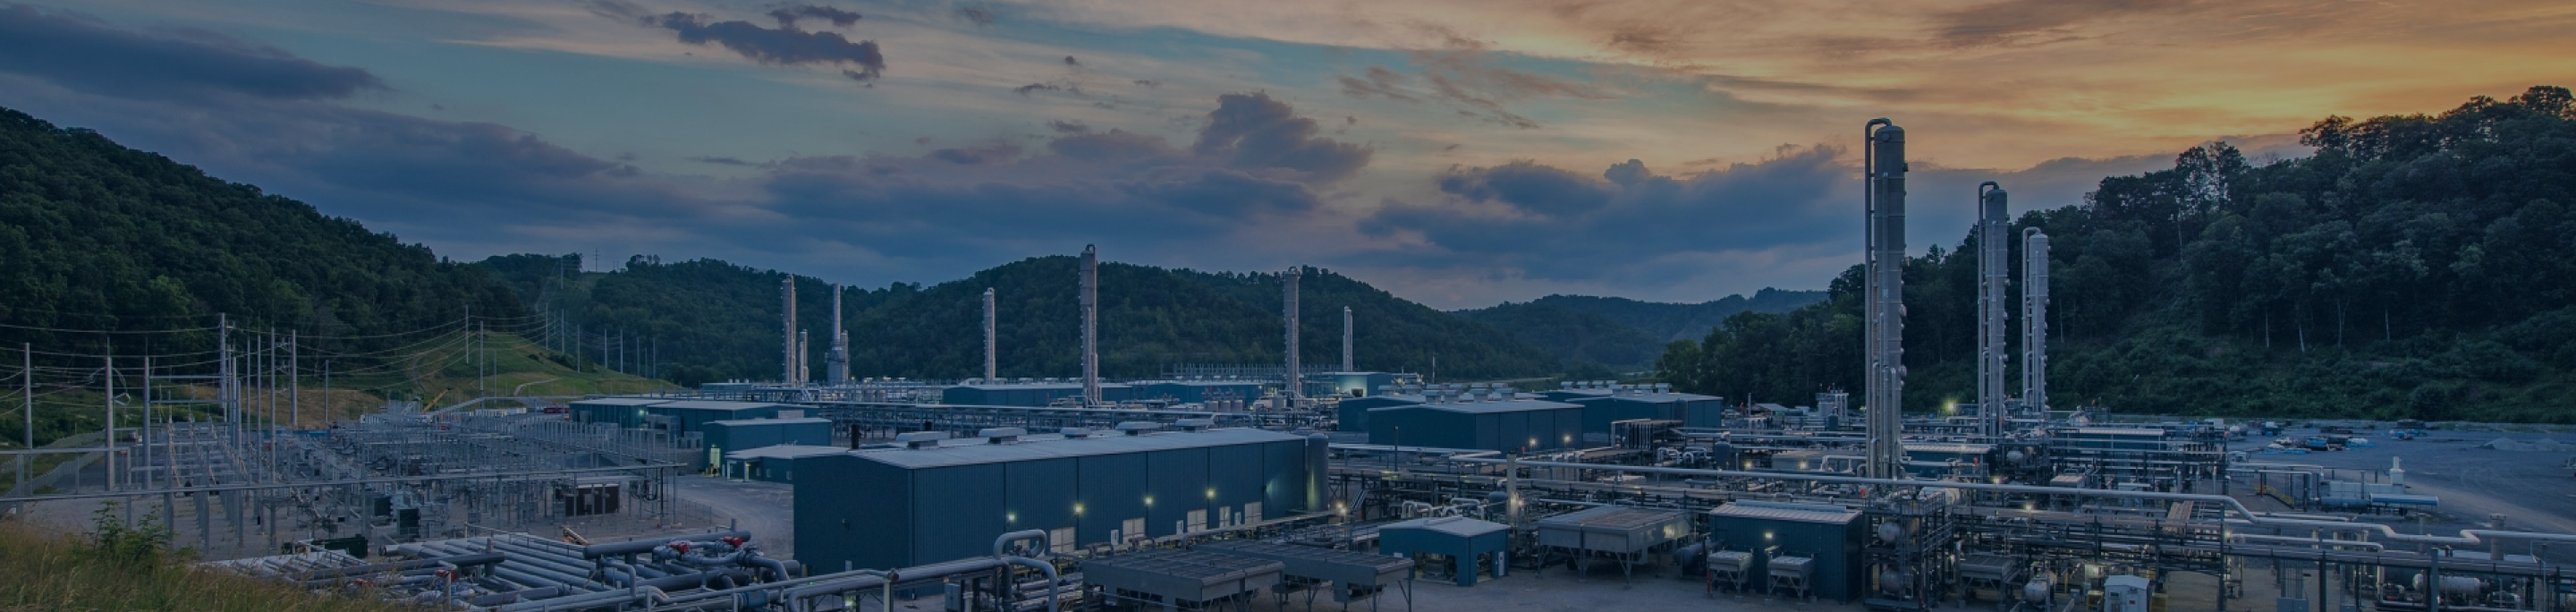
[839,369]
[989,360]
[787,330]
[1090,325]
[1346,340]
[2034,321]
[1994,268]
[1884,165]
[1296,377]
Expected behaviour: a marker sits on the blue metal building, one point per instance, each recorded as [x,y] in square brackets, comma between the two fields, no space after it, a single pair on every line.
[1028,394]
[1692,410]
[947,500]
[773,463]
[1195,391]
[1831,536]
[1474,549]
[1487,424]
[1353,413]
[686,416]
[623,411]
[728,436]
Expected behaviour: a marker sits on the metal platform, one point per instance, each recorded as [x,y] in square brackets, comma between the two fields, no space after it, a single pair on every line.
[1180,579]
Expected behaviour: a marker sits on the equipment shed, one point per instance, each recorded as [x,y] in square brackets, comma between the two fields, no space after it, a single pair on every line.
[1468,548]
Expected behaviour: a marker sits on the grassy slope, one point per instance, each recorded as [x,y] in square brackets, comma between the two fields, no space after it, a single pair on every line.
[47,569]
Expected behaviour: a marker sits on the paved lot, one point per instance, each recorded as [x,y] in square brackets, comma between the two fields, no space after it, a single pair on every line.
[767,509]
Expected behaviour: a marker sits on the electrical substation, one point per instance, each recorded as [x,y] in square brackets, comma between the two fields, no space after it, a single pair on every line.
[1272,486]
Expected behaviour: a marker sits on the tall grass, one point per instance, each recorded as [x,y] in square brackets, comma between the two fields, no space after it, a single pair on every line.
[114,569]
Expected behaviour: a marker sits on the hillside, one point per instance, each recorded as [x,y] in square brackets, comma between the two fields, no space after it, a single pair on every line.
[1669,321]
[1572,335]
[124,254]
[101,237]
[1622,333]
[718,321]
[2417,266]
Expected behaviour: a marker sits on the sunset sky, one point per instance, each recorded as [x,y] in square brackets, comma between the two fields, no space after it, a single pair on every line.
[1457,153]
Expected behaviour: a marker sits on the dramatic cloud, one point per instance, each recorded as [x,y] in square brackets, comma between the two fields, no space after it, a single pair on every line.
[783,46]
[1381,82]
[1069,127]
[1254,132]
[787,16]
[977,15]
[81,52]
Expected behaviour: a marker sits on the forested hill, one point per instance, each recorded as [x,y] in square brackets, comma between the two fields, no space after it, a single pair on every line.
[1621,333]
[101,237]
[2416,266]
[717,321]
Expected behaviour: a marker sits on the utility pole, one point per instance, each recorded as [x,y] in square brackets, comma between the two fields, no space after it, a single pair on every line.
[110,359]
[27,390]
[330,416]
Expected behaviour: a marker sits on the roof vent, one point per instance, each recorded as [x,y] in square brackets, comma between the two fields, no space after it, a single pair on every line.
[1194,424]
[1663,387]
[1138,428]
[920,439]
[1075,432]
[999,435]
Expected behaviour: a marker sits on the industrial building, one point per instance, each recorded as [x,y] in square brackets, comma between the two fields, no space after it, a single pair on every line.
[725,436]
[1650,402]
[1025,393]
[1491,419]
[1787,548]
[773,463]
[945,498]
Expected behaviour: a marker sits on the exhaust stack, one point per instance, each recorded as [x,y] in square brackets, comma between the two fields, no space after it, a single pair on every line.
[1884,167]
[1090,325]
[1994,267]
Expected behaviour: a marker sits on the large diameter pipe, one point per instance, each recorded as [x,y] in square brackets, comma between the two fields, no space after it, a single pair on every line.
[595,551]
[2467,537]
[1048,569]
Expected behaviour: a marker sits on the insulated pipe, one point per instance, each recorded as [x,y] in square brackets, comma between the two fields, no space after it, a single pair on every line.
[2371,546]
[595,551]
[1052,587]
[397,566]
[831,584]
[2467,537]
[1001,544]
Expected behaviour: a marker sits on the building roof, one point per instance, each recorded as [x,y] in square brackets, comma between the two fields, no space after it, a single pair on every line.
[2120,431]
[1781,511]
[1451,525]
[785,451]
[761,422]
[621,401]
[1650,398]
[1071,386]
[1951,448]
[1032,450]
[719,405]
[1198,383]
[1466,407]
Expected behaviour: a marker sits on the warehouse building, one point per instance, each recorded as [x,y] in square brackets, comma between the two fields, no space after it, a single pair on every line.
[692,416]
[622,411]
[1655,402]
[939,500]
[723,437]
[1489,420]
[773,463]
[1353,413]
[1816,546]
[1196,391]
[1029,394]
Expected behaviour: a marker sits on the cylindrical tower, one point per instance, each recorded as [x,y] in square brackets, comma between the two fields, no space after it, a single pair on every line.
[1886,274]
[1994,268]
[787,330]
[839,368]
[1090,325]
[2034,321]
[1296,378]
[989,361]
[1346,340]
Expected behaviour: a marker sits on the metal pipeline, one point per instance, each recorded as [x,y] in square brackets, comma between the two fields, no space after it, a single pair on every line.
[2370,546]
[1001,544]
[2469,537]
[643,546]
[1047,568]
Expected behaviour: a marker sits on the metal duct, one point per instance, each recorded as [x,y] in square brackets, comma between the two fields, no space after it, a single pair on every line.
[1090,325]
[2034,320]
[1994,269]
[1885,295]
